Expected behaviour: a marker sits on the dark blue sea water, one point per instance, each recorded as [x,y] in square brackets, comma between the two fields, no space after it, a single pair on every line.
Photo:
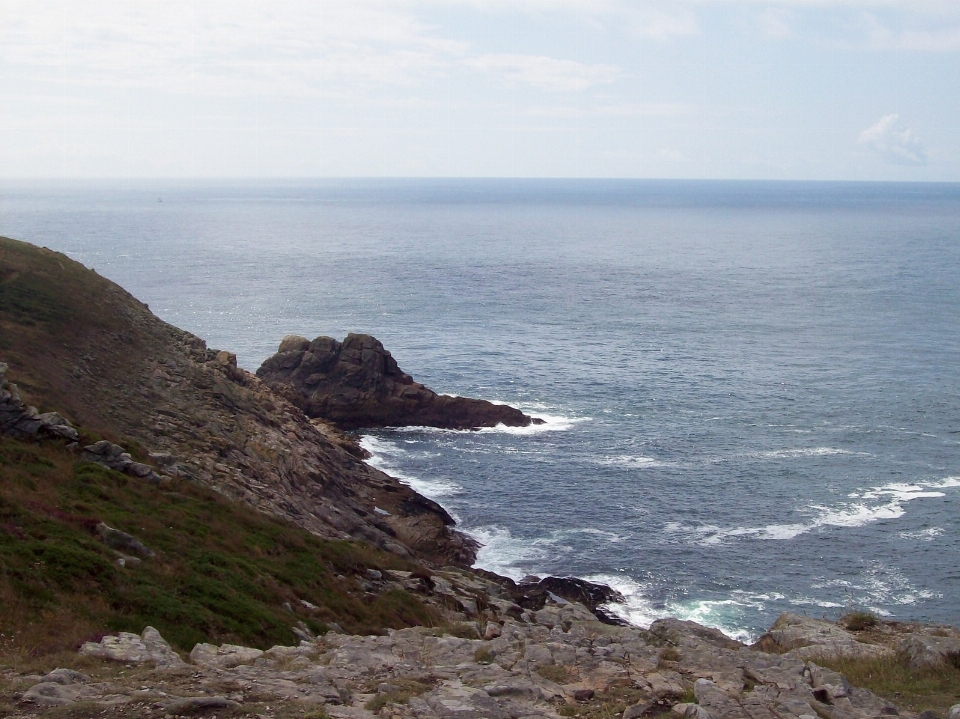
[753,389]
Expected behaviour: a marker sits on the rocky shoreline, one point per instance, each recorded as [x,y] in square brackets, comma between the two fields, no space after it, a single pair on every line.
[490,658]
[146,399]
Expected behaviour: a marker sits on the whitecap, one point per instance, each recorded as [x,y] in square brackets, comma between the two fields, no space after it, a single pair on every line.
[922,535]
[630,461]
[381,450]
[800,452]
[639,610]
[551,423]
[853,514]
[609,536]
[509,556]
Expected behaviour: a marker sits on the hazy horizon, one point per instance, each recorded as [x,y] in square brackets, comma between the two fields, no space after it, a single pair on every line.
[826,90]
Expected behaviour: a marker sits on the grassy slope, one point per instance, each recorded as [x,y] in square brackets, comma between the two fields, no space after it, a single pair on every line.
[222,571]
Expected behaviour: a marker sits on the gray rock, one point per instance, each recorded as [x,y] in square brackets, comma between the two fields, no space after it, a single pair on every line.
[114,457]
[492,631]
[121,541]
[920,651]
[226,656]
[51,694]
[191,704]
[638,709]
[954,712]
[65,676]
[130,648]
[294,343]
[811,639]
[452,700]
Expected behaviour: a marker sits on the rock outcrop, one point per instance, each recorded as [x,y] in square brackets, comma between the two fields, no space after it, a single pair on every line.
[357,383]
[22,421]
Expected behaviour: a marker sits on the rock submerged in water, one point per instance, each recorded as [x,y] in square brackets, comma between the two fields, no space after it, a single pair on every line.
[357,383]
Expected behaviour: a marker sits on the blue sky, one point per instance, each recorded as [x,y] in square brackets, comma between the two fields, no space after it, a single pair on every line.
[795,89]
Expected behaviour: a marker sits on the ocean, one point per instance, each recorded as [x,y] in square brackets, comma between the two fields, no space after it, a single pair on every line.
[751,388]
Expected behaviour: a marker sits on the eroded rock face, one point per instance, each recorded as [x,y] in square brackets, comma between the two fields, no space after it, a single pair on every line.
[357,383]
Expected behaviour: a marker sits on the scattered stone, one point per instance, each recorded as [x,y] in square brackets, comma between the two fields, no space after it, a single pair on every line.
[113,456]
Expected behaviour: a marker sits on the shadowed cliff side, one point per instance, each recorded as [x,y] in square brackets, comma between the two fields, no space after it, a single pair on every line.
[357,383]
[80,345]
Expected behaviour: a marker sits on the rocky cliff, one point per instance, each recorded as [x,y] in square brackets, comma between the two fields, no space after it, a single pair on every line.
[357,383]
[79,344]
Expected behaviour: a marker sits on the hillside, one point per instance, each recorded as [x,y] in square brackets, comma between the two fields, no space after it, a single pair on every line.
[80,345]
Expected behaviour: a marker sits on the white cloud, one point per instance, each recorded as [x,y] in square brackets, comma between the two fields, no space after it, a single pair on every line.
[546,73]
[893,142]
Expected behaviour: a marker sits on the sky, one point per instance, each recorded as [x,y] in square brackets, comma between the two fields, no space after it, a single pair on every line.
[731,89]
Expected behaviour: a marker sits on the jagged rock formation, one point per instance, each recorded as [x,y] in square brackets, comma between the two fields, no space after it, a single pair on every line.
[80,344]
[357,383]
[499,663]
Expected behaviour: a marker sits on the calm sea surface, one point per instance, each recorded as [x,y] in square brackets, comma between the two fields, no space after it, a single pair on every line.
[752,389]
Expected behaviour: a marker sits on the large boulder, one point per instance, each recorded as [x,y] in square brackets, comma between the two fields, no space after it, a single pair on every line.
[807,638]
[921,651]
[129,648]
[357,383]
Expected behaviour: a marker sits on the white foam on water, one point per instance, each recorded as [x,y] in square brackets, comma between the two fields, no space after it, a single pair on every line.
[551,423]
[630,461]
[382,450]
[510,556]
[922,535]
[893,498]
[609,536]
[877,587]
[722,614]
[800,452]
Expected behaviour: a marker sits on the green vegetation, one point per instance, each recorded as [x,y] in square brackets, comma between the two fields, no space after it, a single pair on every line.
[222,571]
[858,621]
[553,673]
[406,688]
[610,704]
[935,688]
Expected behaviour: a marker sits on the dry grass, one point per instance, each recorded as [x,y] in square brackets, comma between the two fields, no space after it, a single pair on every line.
[915,689]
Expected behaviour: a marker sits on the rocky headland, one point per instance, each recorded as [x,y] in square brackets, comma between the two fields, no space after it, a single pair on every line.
[357,383]
[80,344]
